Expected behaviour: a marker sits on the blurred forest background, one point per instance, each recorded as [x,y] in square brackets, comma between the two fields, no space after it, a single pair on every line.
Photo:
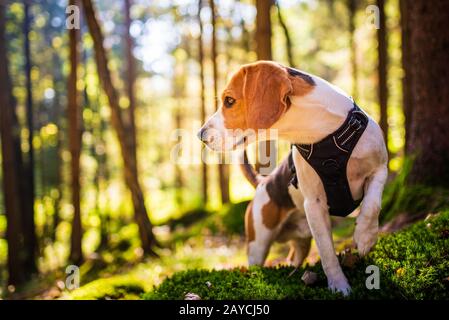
[88,115]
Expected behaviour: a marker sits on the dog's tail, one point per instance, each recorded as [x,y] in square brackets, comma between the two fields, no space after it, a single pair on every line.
[248,170]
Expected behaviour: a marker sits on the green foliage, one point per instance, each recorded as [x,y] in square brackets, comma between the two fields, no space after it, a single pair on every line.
[416,260]
[413,265]
[233,217]
[116,288]
[188,218]
[400,197]
[227,221]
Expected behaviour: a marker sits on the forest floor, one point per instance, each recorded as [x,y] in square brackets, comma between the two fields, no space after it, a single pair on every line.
[413,263]
[215,243]
[204,256]
[200,252]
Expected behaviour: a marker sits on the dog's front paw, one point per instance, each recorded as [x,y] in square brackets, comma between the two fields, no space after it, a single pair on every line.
[340,285]
[365,237]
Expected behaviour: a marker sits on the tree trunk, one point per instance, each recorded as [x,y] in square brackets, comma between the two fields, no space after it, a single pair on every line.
[58,109]
[223,169]
[130,83]
[352,9]
[74,120]
[179,180]
[179,85]
[101,178]
[204,181]
[263,29]
[429,92]
[288,39]
[265,149]
[406,80]
[382,68]
[27,183]
[11,188]
[147,237]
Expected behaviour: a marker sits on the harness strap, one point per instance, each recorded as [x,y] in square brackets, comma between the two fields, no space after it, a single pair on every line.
[329,158]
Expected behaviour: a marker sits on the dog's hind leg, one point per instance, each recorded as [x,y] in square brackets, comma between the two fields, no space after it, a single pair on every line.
[367,223]
[258,251]
[259,236]
[299,249]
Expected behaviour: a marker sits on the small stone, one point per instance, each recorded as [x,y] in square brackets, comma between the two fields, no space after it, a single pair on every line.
[208,284]
[309,277]
[60,284]
[349,259]
[192,296]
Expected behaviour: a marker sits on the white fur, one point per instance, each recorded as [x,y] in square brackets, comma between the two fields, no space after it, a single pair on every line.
[258,249]
[299,236]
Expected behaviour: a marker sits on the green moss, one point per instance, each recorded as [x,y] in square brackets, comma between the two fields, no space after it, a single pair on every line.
[115,288]
[400,197]
[413,263]
[416,260]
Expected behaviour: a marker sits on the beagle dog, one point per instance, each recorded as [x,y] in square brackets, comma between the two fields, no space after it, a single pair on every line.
[271,216]
[304,110]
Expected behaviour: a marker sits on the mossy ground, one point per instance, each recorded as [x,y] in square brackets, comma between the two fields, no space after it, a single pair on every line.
[413,263]
[208,258]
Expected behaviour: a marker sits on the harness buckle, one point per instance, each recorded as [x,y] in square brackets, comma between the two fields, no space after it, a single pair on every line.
[355,122]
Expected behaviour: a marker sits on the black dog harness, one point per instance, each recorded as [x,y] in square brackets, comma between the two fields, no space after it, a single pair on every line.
[329,157]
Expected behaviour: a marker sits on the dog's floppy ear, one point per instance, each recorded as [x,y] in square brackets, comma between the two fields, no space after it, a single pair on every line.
[266,89]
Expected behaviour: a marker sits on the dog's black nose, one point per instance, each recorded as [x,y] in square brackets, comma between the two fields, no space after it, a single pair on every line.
[202,135]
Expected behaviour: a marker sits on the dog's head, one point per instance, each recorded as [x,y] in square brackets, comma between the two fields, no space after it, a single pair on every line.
[255,98]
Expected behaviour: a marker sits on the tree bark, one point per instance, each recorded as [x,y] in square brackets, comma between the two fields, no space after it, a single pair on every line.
[11,188]
[204,176]
[263,29]
[58,109]
[148,240]
[223,169]
[406,80]
[179,179]
[288,39]
[74,120]
[265,149]
[382,69]
[130,84]
[429,92]
[27,183]
[179,84]
[352,9]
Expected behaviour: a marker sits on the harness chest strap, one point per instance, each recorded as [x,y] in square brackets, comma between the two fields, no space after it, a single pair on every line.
[329,158]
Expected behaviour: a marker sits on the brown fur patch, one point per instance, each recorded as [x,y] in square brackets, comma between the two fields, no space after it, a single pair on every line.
[261,91]
[249,223]
[272,214]
[277,184]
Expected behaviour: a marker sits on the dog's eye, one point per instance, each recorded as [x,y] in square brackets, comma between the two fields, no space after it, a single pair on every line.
[228,102]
